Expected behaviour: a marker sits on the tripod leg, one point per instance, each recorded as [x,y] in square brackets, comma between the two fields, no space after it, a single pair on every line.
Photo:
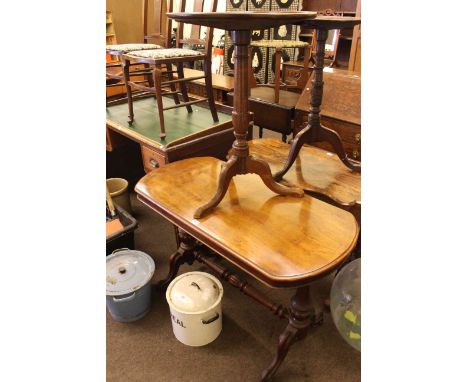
[228,171]
[296,145]
[332,137]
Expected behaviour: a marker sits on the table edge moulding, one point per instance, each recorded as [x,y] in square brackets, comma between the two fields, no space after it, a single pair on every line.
[309,231]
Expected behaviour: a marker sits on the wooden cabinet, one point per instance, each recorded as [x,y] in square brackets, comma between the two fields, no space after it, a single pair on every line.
[341,109]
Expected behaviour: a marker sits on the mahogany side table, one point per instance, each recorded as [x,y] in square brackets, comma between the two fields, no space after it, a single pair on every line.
[315,131]
[240,24]
[283,242]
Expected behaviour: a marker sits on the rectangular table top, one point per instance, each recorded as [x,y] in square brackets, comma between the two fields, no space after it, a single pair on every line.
[179,123]
[282,241]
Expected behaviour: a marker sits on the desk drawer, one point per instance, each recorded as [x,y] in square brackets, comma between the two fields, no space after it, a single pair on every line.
[151,159]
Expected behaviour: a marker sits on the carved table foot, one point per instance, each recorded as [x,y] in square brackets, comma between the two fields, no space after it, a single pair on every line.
[183,255]
[332,137]
[297,329]
[227,172]
[296,145]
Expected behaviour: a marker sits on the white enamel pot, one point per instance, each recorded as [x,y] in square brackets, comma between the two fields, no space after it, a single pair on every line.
[194,299]
[128,284]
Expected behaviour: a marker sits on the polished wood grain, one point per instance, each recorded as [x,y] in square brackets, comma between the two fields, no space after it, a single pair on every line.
[243,20]
[316,171]
[290,241]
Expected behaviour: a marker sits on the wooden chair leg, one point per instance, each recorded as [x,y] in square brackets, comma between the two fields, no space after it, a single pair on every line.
[173,87]
[277,73]
[260,132]
[149,77]
[157,74]
[209,89]
[183,86]
[126,76]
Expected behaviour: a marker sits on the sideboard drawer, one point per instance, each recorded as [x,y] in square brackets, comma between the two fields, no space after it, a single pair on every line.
[151,159]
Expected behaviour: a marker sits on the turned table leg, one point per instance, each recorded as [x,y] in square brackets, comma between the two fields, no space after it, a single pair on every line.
[300,319]
[183,255]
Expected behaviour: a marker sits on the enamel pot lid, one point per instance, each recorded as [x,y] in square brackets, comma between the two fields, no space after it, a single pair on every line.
[126,271]
[194,292]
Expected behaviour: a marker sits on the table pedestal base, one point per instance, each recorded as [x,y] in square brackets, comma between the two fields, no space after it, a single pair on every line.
[301,315]
[245,165]
[317,133]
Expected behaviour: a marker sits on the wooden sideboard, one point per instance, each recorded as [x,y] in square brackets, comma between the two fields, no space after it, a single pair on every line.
[341,109]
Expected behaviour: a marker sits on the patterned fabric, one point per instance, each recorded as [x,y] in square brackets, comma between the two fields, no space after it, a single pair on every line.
[131,47]
[166,53]
[280,43]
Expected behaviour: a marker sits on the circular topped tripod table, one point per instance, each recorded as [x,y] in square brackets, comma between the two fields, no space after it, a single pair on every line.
[315,131]
[241,24]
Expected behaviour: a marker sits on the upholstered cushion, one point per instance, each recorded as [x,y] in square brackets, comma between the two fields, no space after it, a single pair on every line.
[280,43]
[166,53]
[131,47]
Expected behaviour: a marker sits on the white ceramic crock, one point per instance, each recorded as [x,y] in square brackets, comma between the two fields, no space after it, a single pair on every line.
[128,284]
[194,299]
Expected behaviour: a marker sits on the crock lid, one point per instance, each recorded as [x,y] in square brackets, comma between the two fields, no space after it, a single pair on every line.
[126,271]
[194,292]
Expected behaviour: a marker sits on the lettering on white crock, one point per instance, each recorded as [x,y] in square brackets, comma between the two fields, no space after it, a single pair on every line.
[177,321]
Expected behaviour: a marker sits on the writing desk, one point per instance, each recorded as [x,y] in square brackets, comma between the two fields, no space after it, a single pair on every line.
[282,241]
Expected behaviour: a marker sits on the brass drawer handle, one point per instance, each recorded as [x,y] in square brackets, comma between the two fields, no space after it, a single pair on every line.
[357,137]
[154,163]
[355,154]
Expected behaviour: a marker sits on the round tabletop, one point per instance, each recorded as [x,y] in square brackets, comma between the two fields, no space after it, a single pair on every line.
[245,20]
